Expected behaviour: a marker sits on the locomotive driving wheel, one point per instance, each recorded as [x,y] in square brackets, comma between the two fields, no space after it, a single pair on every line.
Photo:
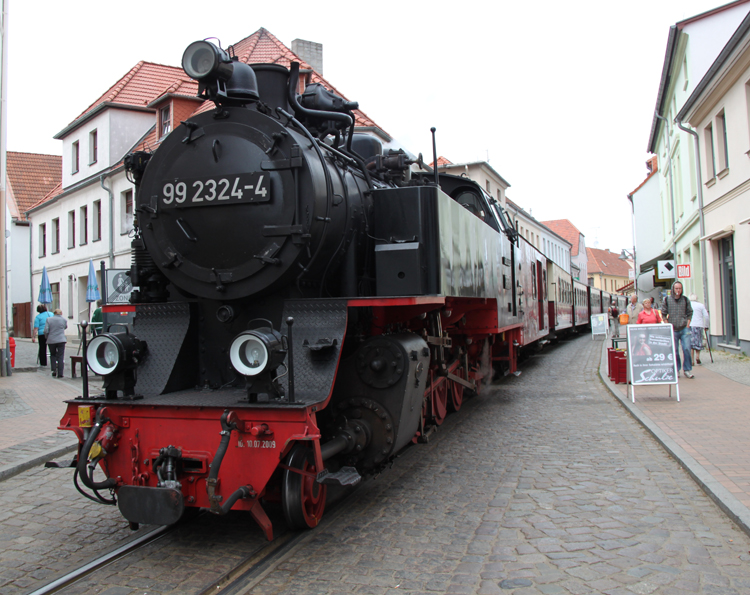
[440,402]
[303,499]
[457,390]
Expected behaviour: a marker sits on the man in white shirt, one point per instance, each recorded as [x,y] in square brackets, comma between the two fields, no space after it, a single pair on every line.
[634,309]
[698,322]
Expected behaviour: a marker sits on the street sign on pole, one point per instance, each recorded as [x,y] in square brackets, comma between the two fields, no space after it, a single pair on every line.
[683,271]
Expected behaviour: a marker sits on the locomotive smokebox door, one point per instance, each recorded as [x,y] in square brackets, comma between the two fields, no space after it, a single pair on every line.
[398,269]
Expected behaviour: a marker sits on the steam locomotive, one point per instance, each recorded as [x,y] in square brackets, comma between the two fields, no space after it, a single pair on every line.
[308,304]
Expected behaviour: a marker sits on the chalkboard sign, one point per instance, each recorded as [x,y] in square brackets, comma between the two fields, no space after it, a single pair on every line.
[651,356]
[599,324]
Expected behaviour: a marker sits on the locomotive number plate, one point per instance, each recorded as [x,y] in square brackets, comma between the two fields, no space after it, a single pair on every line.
[200,192]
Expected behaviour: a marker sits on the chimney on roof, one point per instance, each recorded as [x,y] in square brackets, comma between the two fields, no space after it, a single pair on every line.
[310,52]
[651,164]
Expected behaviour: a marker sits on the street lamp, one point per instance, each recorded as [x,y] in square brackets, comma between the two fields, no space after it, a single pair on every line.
[627,255]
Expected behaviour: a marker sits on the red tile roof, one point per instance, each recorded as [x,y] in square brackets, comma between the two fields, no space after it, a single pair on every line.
[442,161]
[263,47]
[30,177]
[606,263]
[145,82]
[566,230]
[652,165]
[47,197]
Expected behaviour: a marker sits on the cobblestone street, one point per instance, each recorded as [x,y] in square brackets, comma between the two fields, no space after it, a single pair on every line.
[544,484]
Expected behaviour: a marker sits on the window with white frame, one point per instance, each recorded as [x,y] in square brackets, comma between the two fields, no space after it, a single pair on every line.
[93,147]
[71,229]
[75,156]
[42,240]
[722,148]
[96,231]
[83,235]
[55,248]
[165,121]
[126,211]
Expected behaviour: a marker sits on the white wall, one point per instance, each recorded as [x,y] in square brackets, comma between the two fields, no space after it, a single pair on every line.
[117,131]
[70,266]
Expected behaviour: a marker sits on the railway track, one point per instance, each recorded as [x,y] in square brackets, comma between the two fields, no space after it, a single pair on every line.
[260,557]
[72,577]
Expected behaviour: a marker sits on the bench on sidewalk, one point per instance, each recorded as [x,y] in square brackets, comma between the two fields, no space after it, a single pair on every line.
[74,360]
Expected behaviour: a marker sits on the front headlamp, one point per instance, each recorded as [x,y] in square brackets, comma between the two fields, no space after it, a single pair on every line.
[253,352]
[109,352]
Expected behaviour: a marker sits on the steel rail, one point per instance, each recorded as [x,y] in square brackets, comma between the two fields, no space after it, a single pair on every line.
[98,563]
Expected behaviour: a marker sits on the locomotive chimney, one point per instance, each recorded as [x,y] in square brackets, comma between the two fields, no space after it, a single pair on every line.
[310,52]
[273,85]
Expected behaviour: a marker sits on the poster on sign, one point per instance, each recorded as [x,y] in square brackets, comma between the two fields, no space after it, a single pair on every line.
[651,355]
[599,325]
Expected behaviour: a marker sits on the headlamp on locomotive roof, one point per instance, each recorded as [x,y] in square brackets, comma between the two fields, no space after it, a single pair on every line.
[223,77]
[256,351]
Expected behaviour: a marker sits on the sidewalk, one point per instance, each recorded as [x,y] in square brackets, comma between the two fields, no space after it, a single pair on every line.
[707,431]
[31,405]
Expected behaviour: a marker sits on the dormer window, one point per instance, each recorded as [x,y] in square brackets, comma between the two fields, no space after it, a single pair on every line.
[165,122]
[75,154]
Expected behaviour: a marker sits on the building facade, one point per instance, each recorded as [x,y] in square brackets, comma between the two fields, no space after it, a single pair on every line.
[718,110]
[692,46]
[608,272]
[578,257]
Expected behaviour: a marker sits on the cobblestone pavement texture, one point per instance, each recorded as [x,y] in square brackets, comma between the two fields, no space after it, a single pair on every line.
[546,485]
[711,420]
[543,484]
[31,405]
[734,366]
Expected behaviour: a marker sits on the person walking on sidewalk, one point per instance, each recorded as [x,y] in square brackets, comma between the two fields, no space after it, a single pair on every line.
[677,311]
[649,315]
[39,321]
[54,329]
[633,309]
[698,322]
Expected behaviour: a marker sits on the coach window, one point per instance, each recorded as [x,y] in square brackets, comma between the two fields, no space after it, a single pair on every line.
[533,280]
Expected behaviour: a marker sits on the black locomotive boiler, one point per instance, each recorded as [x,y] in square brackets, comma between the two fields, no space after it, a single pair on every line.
[307,305]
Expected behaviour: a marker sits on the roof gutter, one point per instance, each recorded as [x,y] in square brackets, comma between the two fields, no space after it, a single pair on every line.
[694,134]
[671,185]
[111,222]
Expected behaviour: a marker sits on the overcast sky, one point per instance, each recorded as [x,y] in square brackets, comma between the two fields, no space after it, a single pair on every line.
[557,96]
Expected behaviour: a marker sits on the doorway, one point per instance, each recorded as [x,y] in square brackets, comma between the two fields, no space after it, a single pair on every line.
[728,293]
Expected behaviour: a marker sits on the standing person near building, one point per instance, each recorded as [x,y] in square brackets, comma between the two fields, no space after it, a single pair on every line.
[633,309]
[614,314]
[96,319]
[677,311]
[54,329]
[698,322]
[39,321]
